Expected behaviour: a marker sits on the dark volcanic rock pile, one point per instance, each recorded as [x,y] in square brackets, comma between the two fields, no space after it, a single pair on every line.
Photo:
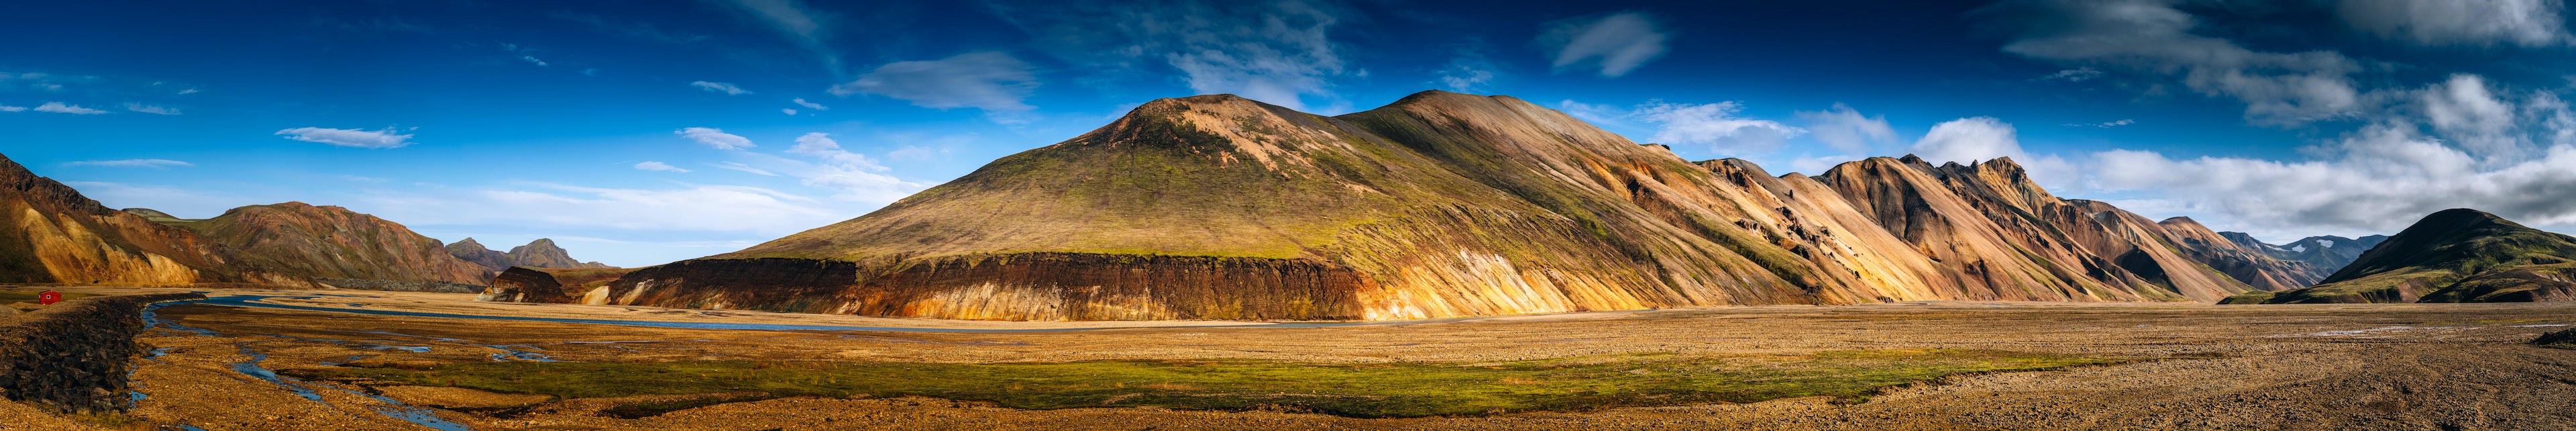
[73,356]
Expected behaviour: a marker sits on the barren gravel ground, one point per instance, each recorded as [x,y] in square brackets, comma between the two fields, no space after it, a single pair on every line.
[2445,366]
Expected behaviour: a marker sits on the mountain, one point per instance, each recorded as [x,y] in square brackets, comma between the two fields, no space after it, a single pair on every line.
[476,253]
[2451,256]
[541,253]
[328,242]
[2326,253]
[49,233]
[1440,205]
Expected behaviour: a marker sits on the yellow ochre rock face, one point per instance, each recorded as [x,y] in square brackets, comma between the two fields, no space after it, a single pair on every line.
[1439,205]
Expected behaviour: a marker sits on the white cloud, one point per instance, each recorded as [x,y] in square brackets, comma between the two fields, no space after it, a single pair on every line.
[659,166]
[383,138]
[1277,52]
[187,92]
[738,166]
[716,138]
[728,89]
[1467,72]
[1978,139]
[533,59]
[2459,22]
[2105,124]
[2462,145]
[7,108]
[820,145]
[988,80]
[2464,110]
[60,108]
[2153,37]
[788,111]
[149,109]
[132,163]
[1715,125]
[1614,44]
[810,105]
[1846,130]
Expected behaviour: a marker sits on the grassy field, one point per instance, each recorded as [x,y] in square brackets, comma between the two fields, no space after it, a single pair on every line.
[1358,390]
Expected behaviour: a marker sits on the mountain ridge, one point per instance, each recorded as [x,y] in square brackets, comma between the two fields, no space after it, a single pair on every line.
[1401,211]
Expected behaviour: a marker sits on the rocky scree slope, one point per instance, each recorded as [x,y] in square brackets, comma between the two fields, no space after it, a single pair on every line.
[1441,205]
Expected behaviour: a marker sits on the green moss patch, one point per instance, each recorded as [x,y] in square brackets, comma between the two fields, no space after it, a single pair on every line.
[1357,390]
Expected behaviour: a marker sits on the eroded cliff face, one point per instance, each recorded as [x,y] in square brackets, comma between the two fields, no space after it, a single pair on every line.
[1440,205]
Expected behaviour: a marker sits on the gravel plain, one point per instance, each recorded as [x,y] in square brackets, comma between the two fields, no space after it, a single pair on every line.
[2361,366]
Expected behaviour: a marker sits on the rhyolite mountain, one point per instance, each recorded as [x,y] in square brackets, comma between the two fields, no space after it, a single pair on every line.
[541,253]
[2456,255]
[49,233]
[1439,205]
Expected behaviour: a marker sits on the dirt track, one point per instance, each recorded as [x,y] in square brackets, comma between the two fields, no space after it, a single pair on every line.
[2445,366]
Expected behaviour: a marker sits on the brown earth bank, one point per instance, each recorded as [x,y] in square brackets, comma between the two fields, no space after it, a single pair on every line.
[2172,366]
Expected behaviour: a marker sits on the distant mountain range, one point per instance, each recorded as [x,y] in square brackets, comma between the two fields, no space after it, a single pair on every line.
[541,253]
[2458,255]
[49,233]
[1440,205]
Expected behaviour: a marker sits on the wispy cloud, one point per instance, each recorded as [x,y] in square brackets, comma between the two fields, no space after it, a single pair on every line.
[60,108]
[659,166]
[2105,124]
[720,87]
[2079,74]
[800,24]
[382,138]
[1612,44]
[738,166]
[533,59]
[1468,71]
[810,105]
[2459,22]
[991,81]
[131,163]
[149,109]
[788,111]
[1847,130]
[1279,52]
[7,108]
[715,138]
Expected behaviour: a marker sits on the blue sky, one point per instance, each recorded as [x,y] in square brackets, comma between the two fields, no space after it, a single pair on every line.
[643,133]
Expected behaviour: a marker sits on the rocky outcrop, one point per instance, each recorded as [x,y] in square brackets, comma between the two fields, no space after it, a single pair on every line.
[1439,205]
[559,286]
[329,242]
[74,356]
[2451,256]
